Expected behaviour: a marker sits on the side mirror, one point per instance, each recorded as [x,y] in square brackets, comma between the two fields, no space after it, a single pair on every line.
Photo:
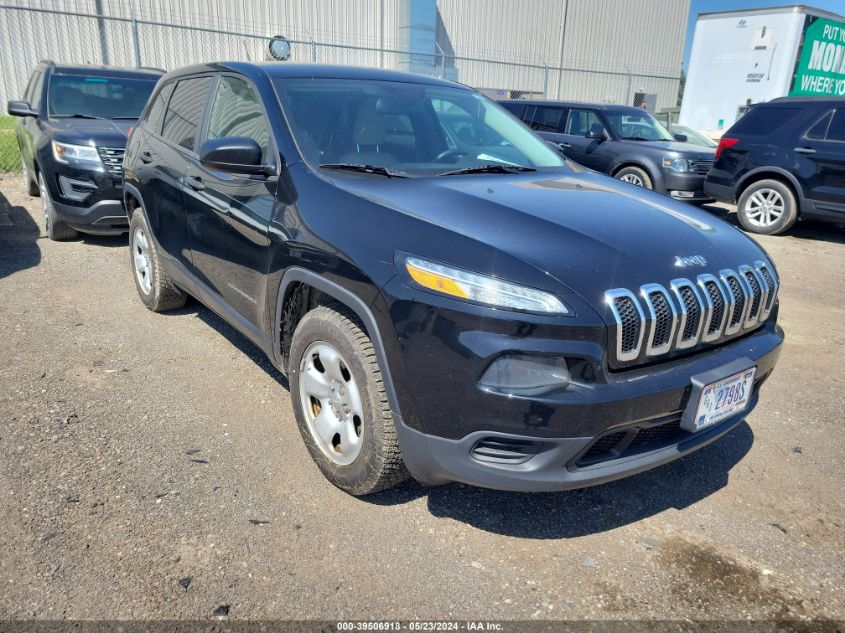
[237,154]
[596,135]
[20,108]
[681,138]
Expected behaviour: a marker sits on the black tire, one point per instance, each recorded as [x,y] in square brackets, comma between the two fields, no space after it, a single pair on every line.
[56,229]
[635,173]
[748,207]
[29,183]
[156,289]
[378,464]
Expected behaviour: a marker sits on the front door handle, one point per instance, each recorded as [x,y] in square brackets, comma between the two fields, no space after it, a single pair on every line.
[805,150]
[195,183]
[146,157]
[564,145]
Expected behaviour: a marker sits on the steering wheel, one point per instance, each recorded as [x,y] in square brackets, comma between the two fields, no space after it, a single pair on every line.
[449,153]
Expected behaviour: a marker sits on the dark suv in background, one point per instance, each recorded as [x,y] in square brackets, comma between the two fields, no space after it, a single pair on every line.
[73,122]
[783,160]
[622,141]
[447,295]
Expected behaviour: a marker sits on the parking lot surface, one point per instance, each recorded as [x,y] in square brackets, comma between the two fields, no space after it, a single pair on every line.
[151,467]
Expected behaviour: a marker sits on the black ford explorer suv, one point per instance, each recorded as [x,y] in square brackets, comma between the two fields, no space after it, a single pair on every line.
[622,141]
[784,160]
[485,314]
[72,129]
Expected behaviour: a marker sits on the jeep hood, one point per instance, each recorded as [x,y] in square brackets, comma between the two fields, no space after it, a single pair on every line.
[589,231]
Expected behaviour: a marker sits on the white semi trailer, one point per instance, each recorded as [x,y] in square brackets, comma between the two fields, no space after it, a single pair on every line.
[740,58]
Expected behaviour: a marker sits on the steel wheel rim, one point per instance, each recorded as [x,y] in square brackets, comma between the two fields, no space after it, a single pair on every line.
[765,207]
[46,202]
[141,260]
[331,403]
[634,179]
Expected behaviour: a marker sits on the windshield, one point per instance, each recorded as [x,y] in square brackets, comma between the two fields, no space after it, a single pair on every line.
[637,126]
[408,128]
[105,97]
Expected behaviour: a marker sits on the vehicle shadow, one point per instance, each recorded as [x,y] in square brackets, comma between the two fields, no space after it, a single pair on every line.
[19,235]
[805,229]
[589,510]
[235,338]
[104,241]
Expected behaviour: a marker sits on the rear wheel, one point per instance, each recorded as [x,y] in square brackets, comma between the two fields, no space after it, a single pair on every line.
[635,176]
[768,207]
[156,289]
[56,229]
[340,403]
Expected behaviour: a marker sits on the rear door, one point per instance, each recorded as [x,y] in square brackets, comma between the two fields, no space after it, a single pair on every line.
[590,152]
[821,156]
[548,122]
[166,159]
[229,213]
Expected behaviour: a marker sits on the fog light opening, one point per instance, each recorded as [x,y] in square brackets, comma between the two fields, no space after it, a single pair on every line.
[526,375]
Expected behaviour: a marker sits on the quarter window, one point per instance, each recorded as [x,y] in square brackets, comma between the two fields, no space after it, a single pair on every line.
[836,130]
[153,116]
[236,111]
[184,113]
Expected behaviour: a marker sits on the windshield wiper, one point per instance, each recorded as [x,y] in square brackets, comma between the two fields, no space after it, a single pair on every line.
[366,169]
[80,115]
[488,169]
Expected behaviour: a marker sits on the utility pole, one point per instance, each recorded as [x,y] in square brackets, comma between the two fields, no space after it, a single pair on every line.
[101,27]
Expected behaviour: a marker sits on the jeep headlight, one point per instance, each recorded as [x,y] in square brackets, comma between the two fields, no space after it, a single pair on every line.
[82,156]
[462,284]
[676,164]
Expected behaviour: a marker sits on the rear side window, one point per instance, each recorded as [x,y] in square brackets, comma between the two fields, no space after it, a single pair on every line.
[546,119]
[184,113]
[764,121]
[236,111]
[156,110]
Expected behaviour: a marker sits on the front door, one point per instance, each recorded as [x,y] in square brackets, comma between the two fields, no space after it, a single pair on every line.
[590,152]
[229,213]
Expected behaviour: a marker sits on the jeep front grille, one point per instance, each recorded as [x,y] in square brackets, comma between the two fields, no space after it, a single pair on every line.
[112,158]
[656,320]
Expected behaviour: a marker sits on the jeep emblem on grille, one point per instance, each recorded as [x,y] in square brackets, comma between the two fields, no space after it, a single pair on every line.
[692,260]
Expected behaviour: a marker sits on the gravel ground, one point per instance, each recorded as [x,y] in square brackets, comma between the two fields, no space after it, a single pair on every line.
[150,467]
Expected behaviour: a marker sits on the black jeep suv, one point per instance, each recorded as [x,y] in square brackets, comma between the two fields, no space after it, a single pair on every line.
[783,160]
[473,311]
[621,141]
[72,129]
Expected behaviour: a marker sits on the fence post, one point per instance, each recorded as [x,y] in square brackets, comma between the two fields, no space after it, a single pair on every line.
[313,51]
[545,81]
[136,44]
[101,27]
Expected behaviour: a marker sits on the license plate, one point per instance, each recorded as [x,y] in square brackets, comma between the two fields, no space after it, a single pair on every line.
[724,398]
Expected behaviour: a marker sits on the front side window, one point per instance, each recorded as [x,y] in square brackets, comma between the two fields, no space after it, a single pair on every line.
[581,122]
[97,96]
[37,90]
[236,111]
[637,126]
[416,128]
[184,112]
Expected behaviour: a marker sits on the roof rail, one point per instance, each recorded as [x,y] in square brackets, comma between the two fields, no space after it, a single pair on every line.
[49,62]
[161,70]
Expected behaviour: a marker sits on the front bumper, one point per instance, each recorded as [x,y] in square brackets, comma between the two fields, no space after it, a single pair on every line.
[686,187]
[104,217]
[88,201]
[453,430]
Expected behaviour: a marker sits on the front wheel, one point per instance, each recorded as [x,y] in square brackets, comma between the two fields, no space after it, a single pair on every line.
[767,207]
[156,289]
[340,403]
[56,229]
[635,176]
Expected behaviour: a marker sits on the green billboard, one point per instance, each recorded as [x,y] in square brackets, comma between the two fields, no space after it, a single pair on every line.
[820,70]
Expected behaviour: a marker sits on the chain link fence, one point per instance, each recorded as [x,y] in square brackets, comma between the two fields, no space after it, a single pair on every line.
[29,34]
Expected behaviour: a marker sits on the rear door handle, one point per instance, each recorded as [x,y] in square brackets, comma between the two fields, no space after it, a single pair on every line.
[805,150]
[195,183]
[146,157]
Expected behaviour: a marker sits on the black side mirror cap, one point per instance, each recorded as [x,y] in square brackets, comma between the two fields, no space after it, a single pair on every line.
[596,136]
[236,154]
[20,108]
[681,138]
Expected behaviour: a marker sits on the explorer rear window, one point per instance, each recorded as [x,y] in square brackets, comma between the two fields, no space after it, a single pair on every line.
[764,120]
